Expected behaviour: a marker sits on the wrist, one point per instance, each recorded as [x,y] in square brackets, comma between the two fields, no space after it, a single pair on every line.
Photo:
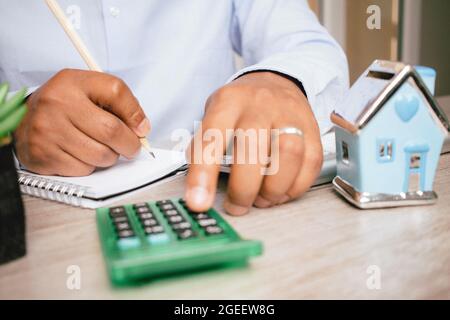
[278,77]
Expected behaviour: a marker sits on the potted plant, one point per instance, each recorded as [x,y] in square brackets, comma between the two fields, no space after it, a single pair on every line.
[12,218]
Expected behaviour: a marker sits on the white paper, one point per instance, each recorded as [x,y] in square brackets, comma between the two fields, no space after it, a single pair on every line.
[126,174]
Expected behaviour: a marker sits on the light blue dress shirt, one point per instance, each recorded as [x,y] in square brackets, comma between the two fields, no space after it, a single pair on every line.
[174,53]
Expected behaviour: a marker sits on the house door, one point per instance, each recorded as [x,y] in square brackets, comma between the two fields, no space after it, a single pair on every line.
[414,173]
[415,168]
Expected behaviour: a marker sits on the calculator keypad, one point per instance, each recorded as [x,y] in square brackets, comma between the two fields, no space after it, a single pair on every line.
[153,229]
[126,236]
[155,232]
[181,227]
[204,220]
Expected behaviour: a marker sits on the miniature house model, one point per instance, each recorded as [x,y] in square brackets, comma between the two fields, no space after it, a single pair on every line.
[389,136]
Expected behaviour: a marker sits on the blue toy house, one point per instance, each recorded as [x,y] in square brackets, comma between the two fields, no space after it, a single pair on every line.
[389,136]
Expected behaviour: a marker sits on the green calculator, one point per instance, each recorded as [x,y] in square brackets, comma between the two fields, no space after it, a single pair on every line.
[147,240]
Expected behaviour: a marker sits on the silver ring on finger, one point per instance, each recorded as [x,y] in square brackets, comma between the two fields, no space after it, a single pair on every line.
[289,131]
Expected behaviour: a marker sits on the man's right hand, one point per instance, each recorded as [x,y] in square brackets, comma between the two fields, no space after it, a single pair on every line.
[77,121]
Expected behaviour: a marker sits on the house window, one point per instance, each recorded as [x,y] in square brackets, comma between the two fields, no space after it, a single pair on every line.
[345,156]
[385,150]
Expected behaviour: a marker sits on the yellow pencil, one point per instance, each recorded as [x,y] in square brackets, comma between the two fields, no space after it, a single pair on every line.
[83,51]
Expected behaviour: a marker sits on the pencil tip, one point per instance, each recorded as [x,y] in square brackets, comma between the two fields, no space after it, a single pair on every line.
[146,146]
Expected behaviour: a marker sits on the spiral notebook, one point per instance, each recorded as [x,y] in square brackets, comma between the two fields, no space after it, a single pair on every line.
[105,186]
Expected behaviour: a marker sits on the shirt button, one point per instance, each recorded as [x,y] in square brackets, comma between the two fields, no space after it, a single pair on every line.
[114,11]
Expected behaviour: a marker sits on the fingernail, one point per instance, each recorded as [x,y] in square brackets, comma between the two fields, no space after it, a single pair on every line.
[234,209]
[260,202]
[143,128]
[198,197]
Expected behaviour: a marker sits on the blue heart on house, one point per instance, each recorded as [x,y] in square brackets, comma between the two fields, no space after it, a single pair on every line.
[407,107]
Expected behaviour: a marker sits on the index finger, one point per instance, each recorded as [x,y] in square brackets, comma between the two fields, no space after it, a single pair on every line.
[115,96]
[105,128]
[206,152]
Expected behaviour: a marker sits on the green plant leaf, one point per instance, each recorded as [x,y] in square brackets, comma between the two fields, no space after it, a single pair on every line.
[3,92]
[10,105]
[9,124]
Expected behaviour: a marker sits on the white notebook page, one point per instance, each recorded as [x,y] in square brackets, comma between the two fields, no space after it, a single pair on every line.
[127,174]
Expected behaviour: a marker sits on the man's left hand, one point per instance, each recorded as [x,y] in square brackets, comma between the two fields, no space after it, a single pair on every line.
[262,100]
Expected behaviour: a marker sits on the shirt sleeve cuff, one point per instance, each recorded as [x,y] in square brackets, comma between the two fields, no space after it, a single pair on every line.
[321,84]
[288,77]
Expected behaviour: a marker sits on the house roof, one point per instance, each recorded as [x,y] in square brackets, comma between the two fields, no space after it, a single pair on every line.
[374,88]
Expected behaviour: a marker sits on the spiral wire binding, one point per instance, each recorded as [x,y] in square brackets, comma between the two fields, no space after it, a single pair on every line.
[47,189]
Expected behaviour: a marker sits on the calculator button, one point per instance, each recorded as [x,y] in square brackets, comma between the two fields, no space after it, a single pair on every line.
[158,239]
[186,234]
[172,212]
[150,222]
[181,226]
[154,230]
[176,219]
[120,219]
[126,234]
[143,210]
[200,216]
[211,230]
[207,222]
[144,216]
[140,205]
[163,202]
[128,243]
[123,226]
[117,211]
[166,207]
